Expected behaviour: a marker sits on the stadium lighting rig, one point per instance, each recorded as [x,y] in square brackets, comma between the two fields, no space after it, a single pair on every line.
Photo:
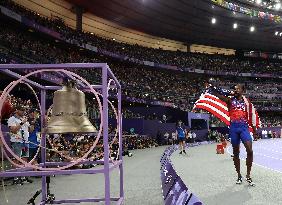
[269,4]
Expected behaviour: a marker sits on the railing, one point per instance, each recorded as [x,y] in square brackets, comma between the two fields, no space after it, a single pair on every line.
[175,192]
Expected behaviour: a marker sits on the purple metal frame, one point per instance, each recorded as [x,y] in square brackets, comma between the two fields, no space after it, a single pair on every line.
[108,165]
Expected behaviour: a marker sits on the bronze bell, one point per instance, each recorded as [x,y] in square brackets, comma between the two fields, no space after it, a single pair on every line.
[69,112]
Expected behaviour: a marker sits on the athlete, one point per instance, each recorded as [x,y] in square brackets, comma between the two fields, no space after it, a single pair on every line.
[181,133]
[239,128]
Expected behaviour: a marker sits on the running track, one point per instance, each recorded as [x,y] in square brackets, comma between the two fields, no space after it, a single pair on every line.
[267,153]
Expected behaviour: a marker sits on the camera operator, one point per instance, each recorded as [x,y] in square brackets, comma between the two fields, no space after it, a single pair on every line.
[34,131]
[126,151]
[114,150]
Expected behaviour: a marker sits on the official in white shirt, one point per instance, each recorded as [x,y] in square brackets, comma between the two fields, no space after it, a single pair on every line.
[19,133]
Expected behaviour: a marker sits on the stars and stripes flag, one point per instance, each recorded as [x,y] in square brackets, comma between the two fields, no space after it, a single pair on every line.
[219,109]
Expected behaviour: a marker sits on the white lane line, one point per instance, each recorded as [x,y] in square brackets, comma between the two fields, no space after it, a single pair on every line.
[267,156]
[272,150]
[260,146]
[278,171]
[273,143]
[258,154]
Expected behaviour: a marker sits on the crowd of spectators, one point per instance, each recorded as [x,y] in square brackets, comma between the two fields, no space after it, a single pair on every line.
[217,136]
[265,89]
[128,114]
[180,59]
[137,81]
[271,121]
[4,59]
[215,122]
[139,142]
[67,147]
[53,23]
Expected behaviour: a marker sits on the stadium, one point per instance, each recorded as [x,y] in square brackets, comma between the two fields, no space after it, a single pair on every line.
[140,102]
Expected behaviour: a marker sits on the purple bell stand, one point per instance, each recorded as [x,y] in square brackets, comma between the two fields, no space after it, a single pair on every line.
[47,168]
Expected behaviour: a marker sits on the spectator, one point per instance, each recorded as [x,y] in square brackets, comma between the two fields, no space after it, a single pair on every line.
[19,133]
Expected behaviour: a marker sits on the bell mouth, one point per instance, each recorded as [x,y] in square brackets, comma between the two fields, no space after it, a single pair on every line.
[59,125]
[60,130]
[70,114]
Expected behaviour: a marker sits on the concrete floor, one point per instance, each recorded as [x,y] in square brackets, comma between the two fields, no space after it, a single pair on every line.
[142,183]
[211,178]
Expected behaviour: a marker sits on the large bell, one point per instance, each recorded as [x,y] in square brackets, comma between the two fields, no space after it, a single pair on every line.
[69,112]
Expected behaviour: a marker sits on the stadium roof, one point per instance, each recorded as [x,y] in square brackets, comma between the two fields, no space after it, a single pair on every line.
[190,22]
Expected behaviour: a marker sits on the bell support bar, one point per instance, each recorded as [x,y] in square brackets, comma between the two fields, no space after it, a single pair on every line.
[18,76]
[82,89]
[113,76]
[53,66]
[4,67]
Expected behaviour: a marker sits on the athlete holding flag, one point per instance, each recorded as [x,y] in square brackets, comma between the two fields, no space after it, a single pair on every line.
[240,117]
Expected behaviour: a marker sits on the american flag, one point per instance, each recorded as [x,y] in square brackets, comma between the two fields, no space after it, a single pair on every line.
[219,109]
